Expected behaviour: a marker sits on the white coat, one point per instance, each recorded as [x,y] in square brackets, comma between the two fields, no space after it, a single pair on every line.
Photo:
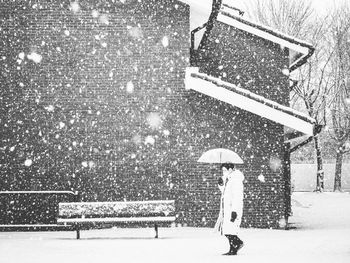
[231,200]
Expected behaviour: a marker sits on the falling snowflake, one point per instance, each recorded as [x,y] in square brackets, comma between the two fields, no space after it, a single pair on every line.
[135,32]
[104,19]
[21,55]
[165,41]
[275,164]
[154,120]
[95,13]
[28,162]
[150,140]
[84,164]
[75,7]
[62,125]
[66,32]
[130,87]
[285,71]
[166,132]
[50,108]
[136,139]
[261,178]
[35,57]
[282,223]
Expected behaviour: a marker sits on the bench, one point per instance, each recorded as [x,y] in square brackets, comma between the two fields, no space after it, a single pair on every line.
[77,214]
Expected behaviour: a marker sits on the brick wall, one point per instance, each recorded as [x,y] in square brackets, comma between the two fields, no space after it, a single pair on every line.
[99,106]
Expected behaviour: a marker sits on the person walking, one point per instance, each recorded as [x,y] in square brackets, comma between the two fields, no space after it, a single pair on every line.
[231,206]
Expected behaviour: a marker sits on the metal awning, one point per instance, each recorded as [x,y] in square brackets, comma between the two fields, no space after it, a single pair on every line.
[246,100]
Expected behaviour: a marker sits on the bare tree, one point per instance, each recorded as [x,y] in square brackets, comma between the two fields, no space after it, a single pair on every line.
[340,109]
[288,16]
[314,86]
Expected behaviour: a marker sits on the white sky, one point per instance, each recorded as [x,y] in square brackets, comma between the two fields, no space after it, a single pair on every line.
[200,9]
[321,6]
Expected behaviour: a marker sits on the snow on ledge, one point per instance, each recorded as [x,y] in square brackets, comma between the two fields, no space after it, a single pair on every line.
[248,101]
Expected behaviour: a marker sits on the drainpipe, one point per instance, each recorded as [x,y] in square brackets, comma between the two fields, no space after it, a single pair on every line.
[216,6]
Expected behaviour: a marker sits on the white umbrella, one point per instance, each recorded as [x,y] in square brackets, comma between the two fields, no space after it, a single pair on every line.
[220,155]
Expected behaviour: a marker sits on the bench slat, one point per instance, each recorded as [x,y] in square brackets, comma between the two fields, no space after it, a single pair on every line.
[116,219]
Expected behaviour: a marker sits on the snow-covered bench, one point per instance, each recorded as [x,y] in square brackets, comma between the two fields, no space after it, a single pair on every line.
[77,214]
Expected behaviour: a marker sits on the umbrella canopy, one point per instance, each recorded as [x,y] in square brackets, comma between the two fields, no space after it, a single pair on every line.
[220,155]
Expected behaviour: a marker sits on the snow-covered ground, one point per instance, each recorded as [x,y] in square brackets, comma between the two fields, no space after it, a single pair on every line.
[322,235]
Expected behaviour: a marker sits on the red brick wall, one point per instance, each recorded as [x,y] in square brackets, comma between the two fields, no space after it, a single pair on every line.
[105,111]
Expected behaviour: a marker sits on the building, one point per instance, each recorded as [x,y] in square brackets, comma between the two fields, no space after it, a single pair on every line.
[110,99]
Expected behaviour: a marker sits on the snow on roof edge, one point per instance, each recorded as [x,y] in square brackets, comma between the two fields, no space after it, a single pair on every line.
[253,96]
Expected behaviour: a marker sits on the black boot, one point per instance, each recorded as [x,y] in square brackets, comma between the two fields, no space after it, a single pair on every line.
[233,250]
[237,243]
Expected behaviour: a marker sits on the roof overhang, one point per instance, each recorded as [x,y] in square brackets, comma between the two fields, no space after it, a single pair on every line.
[291,135]
[299,50]
[248,101]
[199,12]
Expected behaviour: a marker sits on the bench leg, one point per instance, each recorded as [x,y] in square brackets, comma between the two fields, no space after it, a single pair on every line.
[156,229]
[78,232]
